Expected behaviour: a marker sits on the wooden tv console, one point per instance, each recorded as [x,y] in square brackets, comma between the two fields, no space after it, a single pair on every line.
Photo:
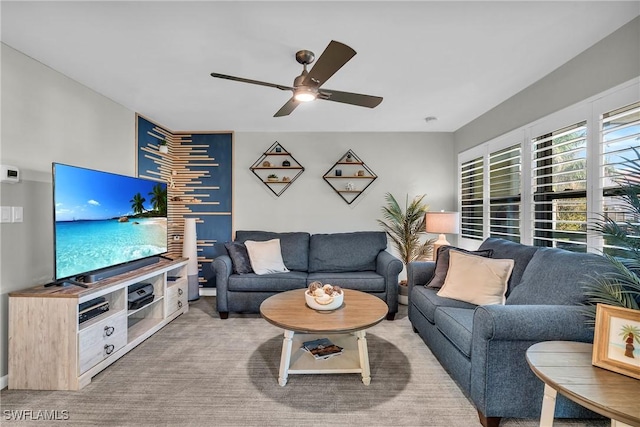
[49,349]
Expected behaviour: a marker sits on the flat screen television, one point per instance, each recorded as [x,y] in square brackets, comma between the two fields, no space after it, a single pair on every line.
[103,220]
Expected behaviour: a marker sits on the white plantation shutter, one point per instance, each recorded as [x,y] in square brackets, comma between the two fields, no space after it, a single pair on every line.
[620,134]
[559,184]
[504,193]
[471,195]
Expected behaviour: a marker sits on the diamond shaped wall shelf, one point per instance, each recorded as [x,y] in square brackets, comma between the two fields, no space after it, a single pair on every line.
[349,177]
[277,169]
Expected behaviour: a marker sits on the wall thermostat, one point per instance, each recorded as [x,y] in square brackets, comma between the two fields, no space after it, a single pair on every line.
[9,174]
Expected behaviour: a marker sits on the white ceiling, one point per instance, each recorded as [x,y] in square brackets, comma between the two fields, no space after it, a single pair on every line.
[454,60]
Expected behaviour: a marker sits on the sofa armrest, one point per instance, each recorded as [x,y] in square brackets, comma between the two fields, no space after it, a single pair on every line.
[389,267]
[418,274]
[223,269]
[530,323]
[501,336]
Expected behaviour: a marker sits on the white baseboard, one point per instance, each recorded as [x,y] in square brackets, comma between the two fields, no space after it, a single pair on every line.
[4,382]
[208,292]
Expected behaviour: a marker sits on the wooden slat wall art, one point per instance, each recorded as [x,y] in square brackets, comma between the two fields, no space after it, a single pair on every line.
[198,171]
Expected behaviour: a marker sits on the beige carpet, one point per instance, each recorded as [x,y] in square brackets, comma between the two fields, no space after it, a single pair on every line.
[203,371]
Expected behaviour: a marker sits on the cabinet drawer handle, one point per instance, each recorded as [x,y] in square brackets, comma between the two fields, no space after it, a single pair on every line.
[180,292]
[108,330]
[179,304]
[108,348]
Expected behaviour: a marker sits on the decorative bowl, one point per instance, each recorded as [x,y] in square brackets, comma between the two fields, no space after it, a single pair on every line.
[323,304]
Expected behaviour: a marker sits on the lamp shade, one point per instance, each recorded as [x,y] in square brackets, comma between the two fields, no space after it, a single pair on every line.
[442,222]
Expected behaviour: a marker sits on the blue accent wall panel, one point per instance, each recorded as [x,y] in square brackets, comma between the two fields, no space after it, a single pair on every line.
[198,169]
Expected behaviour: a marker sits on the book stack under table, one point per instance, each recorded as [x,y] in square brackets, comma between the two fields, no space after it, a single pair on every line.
[322,348]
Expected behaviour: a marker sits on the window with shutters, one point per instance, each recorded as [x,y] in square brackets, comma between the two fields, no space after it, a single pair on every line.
[472,196]
[559,174]
[546,182]
[504,193]
[620,135]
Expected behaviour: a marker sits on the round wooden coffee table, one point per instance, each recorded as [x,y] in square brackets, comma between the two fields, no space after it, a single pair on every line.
[359,312]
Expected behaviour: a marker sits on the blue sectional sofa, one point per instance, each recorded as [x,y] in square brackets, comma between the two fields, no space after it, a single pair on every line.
[483,347]
[352,260]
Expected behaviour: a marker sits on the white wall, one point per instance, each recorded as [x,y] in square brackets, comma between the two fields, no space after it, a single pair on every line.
[405,163]
[610,62]
[48,117]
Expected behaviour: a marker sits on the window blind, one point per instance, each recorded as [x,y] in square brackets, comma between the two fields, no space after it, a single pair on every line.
[471,195]
[620,134]
[504,193]
[559,184]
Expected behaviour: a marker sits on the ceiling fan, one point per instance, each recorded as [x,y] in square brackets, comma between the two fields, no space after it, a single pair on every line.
[307,86]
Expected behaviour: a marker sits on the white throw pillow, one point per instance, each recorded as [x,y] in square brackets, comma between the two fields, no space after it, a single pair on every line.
[265,257]
[475,279]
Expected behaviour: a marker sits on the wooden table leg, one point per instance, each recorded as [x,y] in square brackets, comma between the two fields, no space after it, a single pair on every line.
[364,356]
[548,406]
[285,357]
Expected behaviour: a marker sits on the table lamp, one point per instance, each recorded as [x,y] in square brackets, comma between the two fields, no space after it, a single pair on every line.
[441,223]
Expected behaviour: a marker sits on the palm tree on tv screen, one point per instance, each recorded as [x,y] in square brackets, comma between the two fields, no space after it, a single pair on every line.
[137,203]
[159,199]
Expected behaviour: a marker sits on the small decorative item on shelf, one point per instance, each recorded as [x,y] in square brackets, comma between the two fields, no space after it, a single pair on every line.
[360,172]
[338,172]
[162,146]
[286,164]
[266,164]
[286,179]
[272,177]
[350,186]
[278,149]
[349,158]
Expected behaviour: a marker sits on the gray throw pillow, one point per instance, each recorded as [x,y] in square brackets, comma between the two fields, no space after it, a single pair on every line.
[442,264]
[239,257]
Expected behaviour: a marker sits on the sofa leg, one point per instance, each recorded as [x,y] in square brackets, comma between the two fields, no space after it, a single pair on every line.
[224,314]
[488,421]
[391,316]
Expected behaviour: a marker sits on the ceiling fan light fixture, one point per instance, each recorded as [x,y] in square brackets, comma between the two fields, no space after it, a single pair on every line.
[304,95]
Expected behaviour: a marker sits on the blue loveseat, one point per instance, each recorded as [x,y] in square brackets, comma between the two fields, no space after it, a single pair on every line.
[352,260]
[483,347]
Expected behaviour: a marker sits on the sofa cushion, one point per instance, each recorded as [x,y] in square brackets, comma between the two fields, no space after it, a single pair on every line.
[342,252]
[266,257]
[239,257]
[294,246]
[426,301]
[457,325]
[505,249]
[267,282]
[477,280]
[365,281]
[442,263]
[556,277]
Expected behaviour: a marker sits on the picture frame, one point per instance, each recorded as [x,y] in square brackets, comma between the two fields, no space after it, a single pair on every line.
[616,343]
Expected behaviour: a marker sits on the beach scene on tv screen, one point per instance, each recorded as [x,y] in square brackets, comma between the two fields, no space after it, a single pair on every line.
[103,219]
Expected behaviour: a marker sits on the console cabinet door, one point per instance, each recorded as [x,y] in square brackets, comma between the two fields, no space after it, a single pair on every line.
[101,340]
[177,297]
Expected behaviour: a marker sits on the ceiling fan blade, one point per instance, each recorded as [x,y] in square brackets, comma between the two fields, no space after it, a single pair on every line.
[332,59]
[350,98]
[287,108]
[254,82]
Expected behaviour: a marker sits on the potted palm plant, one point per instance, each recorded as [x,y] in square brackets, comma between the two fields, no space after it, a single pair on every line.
[621,288]
[405,228]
